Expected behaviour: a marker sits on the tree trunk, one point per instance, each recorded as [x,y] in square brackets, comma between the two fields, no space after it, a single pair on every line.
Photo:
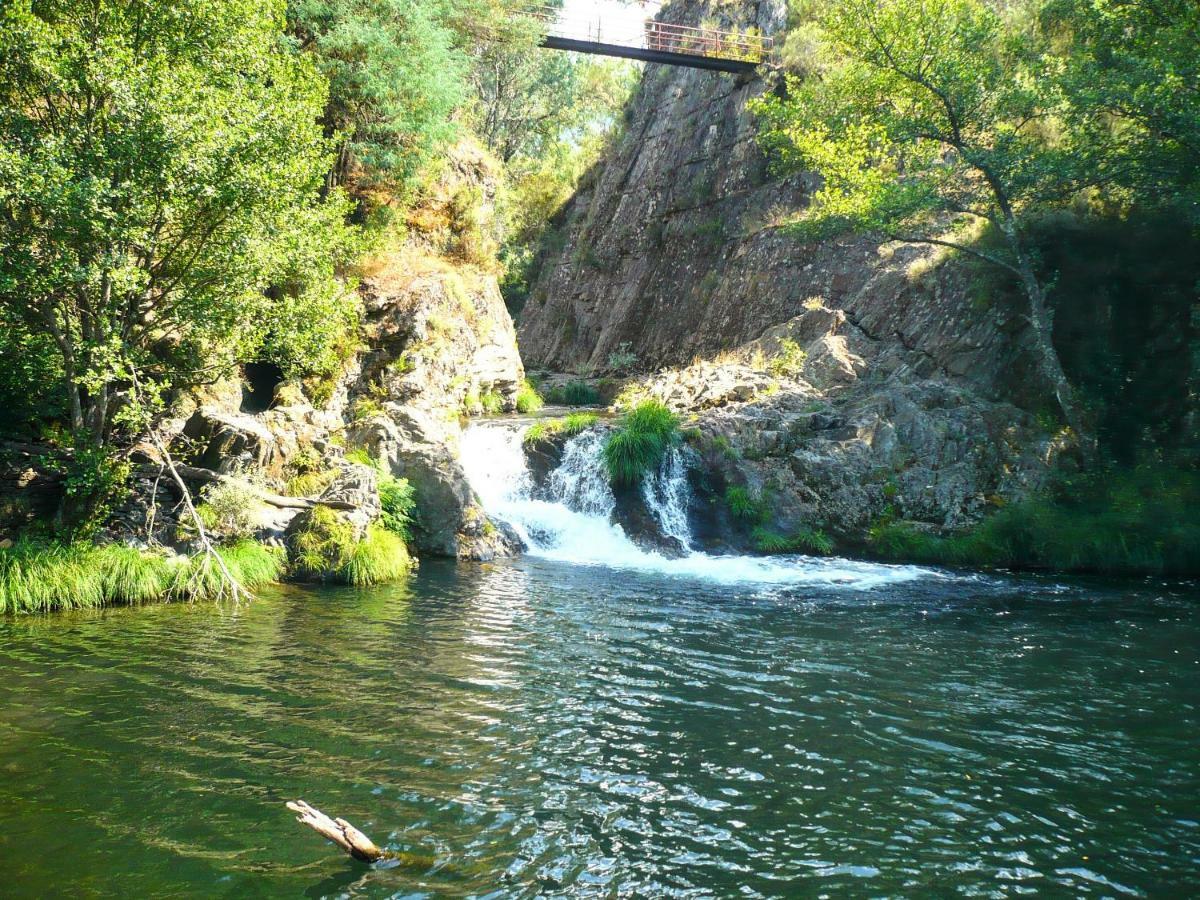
[1051,365]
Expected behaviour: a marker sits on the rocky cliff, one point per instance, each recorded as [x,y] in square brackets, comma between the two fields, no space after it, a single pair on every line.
[840,382]
[436,340]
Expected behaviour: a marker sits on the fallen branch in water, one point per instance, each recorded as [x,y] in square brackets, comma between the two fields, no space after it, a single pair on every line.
[338,831]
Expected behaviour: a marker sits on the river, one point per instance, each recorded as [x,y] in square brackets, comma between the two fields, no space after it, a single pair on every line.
[555,727]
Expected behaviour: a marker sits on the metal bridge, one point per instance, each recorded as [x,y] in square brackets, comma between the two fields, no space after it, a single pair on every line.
[656,42]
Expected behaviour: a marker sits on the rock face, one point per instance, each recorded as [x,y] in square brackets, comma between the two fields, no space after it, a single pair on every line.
[844,381]
[440,344]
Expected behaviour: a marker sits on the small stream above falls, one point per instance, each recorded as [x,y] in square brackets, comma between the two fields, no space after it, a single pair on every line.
[569,517]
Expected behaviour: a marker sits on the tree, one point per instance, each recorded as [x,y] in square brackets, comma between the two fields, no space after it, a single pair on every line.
[161,168]
[396,74]
[1132,77]
[927,118]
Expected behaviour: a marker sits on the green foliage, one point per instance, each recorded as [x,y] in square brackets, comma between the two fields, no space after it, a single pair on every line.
[361,456]
[573,393]
[1129,70]
[750,508]
[200,578]
[310,484]
[528,399]
[1140,520]
[491,402]
[804,540]
[381,556]
[42,577]
[95,483]
[325,550]
[622,359]
[567,427]
[321,548]
[399,504]
[230,510]
[640,443]
[162,166]
[395,74]
[789,361]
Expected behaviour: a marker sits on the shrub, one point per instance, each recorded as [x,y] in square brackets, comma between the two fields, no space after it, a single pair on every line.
[1117,521]
[623,358]
[362,457]
[789,361]
[230,509]
[528,399]
[396,498]
[747,507]
[574,393]
[325,550]
[640,443]
[491,402]
[321,547]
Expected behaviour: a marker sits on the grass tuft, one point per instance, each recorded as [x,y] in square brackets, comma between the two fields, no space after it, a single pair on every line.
[640,443]
[43,577]
[379,557]
[567,426]
[574,393]
[528,399]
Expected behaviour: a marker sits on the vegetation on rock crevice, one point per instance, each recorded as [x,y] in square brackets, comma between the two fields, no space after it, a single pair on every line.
[640,443]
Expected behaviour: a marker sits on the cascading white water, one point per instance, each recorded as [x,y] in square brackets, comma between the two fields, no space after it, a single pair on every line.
[572,523]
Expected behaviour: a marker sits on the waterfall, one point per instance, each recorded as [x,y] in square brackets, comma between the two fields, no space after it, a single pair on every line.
[569,520]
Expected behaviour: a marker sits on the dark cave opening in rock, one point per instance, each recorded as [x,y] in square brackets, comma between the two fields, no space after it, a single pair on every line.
[259,383]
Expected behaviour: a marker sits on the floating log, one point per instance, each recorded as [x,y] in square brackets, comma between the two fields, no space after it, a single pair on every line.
[337,831]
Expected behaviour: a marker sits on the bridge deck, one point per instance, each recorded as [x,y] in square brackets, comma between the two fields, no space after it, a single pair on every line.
[658,42]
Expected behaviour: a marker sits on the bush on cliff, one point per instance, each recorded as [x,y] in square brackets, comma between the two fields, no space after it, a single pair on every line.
[640,443]
[528,399]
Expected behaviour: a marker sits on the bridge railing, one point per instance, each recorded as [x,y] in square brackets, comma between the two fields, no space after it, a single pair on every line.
[664,37]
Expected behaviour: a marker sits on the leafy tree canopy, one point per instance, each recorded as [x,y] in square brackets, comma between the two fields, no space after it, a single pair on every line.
[161,168]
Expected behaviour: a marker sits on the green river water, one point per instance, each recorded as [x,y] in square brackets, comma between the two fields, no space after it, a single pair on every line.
[541,729]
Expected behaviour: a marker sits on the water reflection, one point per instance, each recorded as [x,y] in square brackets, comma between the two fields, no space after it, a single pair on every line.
[532,728]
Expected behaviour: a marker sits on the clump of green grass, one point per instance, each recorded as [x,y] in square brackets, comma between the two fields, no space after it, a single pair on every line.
[640,442]
[567,426]
[381,556]
[37,576]
[528,399]
[200,578]
[325,550]
[803,540]
[749,508]
[1144,520]
[491,402]
[362,457]
[574,393]
[789,361]
[310,484]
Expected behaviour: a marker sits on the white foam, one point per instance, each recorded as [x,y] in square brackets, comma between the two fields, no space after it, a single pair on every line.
[572,522]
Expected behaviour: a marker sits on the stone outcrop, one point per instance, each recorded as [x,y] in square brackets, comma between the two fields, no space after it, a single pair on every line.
[910,399]
[440,343]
